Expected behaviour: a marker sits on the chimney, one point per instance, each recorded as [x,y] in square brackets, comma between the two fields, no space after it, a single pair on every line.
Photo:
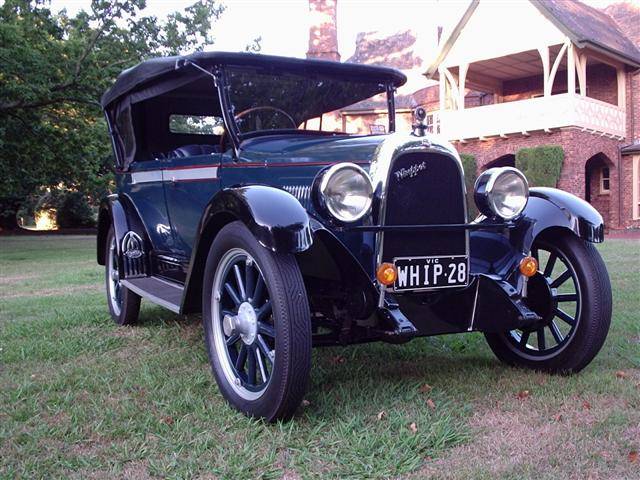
[323,30]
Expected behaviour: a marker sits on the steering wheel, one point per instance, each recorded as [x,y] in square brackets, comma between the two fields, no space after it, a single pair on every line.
[267,107]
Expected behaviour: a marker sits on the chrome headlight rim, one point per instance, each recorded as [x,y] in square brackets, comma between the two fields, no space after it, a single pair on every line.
[485,194]
[322,182]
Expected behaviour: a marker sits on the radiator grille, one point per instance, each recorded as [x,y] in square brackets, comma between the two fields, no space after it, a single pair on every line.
[302,193]
[424,189]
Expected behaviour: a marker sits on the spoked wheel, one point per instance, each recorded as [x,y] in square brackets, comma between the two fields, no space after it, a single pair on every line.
[124,305]
[257,326]
[243,328]
[572,294]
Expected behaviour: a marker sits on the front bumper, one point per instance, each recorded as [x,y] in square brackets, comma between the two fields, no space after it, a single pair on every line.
[488,304]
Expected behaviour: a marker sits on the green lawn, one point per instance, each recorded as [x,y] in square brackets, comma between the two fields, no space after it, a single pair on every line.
[82,398]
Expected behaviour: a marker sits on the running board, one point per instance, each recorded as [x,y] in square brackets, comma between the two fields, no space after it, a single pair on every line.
[161,292]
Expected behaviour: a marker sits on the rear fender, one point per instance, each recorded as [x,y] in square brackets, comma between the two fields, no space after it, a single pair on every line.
[117,211]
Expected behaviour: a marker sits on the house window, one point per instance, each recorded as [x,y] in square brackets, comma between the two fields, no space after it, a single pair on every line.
[432,122]
[605,180]
[636,187]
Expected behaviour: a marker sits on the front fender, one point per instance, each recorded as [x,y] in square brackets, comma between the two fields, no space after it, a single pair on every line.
[552,208]
[498,252]
[275,217]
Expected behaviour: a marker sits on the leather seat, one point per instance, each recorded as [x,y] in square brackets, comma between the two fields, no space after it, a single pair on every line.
[192,150]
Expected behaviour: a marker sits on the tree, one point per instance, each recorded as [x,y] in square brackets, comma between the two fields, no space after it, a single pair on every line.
[54,70]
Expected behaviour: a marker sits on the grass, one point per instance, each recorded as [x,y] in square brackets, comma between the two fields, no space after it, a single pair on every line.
[82,398]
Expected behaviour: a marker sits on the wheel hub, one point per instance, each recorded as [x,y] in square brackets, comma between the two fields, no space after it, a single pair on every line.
[245,323]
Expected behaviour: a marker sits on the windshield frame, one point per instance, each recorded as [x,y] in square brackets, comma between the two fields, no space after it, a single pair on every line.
[237,137]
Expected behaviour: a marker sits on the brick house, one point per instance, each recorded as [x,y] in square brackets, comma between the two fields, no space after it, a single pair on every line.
[531,73]
[554,73]
[397,51]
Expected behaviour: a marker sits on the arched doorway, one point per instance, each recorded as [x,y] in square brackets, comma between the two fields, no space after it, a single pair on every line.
[508,160]
[598,182]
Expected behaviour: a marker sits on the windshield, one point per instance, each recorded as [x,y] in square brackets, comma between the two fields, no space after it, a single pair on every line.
[272,102]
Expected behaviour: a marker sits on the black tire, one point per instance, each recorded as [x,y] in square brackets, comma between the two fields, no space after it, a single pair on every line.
[124,305]
[277,343]
[592,307]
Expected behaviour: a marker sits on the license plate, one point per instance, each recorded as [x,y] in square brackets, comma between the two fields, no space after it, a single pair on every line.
[426,273]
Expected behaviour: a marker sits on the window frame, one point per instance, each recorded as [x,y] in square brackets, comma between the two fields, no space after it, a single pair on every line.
[603,190]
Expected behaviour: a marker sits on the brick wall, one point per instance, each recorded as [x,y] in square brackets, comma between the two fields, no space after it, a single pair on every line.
[627,193]
[522,88]
[601,85]
[627,16]
[361,123]
[600,201]
[578,148]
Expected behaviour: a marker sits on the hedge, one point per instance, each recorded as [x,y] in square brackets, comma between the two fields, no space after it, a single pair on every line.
[470,174]
[73,211]
[541,165]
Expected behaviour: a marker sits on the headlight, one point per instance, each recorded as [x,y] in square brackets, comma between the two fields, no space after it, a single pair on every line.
[344,191]
[501,192]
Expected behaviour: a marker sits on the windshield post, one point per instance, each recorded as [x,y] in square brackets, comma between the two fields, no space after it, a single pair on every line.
[391,107]
[227,108]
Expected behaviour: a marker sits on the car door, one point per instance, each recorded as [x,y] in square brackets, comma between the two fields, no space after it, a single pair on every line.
[144,186]
[190,182]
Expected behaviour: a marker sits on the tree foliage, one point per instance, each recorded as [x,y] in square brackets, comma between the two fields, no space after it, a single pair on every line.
[541,165]
[54,70]
[74,211]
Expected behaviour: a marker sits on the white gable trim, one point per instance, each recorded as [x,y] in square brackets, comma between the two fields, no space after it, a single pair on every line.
[498,29]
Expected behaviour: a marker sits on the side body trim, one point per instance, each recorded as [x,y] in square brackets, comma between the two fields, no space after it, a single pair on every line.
[179,174]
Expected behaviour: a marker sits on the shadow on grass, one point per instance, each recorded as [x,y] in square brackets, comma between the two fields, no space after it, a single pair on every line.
[369,376]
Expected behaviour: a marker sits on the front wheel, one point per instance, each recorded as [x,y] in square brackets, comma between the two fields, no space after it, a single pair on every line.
[257,325]
[572,294]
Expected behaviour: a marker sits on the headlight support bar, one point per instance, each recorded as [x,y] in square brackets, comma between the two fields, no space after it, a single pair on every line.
[444,226]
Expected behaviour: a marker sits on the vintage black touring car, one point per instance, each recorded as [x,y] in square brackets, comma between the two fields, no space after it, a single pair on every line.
[239,196]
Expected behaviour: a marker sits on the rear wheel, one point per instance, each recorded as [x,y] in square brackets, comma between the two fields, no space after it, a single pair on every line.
[257,325]
[572,294]
[124,305]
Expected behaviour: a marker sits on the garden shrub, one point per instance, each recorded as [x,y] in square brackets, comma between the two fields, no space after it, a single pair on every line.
[470,174]
[541,165]
[73,211]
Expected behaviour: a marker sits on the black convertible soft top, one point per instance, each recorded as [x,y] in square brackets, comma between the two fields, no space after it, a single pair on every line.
[156,68]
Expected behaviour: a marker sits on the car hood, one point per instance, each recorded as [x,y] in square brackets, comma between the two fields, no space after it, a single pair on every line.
[304,148]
